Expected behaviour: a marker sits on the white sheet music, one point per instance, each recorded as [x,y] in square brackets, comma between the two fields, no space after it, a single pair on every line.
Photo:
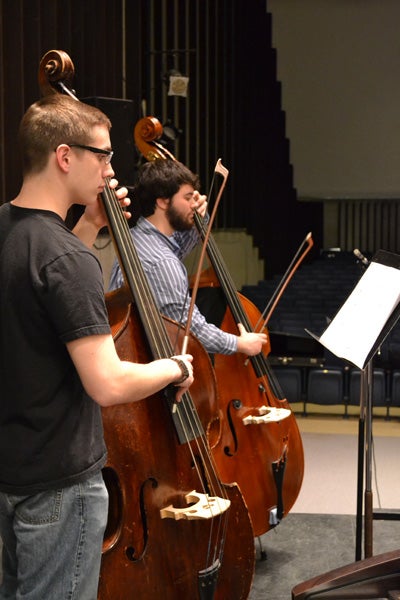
[357,325]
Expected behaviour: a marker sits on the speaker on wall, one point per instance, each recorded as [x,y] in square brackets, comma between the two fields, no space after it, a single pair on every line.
[123,117]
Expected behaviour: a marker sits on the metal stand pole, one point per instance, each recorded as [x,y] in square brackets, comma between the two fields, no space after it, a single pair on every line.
[364,450]
[360,473]
[368,517]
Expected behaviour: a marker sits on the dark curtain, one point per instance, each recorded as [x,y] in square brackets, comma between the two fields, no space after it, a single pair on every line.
[126,50]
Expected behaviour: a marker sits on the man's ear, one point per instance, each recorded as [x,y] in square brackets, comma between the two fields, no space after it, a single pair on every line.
[63,156]
[162,203]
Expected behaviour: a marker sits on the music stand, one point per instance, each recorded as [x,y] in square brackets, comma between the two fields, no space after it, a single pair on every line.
[355,334]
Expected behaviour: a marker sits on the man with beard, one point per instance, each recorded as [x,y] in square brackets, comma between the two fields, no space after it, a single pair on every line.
[167,194]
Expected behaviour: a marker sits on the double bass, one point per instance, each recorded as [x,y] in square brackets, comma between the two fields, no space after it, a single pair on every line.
[261,445]
[174,529]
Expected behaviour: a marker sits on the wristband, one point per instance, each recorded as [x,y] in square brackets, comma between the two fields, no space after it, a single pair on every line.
[183,368]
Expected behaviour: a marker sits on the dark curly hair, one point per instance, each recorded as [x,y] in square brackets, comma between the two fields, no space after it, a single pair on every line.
[161,178]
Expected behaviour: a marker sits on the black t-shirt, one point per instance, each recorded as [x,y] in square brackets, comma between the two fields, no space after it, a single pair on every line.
[51,292]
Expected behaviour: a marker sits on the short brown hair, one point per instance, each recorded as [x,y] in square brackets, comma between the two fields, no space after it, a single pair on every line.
[55,119]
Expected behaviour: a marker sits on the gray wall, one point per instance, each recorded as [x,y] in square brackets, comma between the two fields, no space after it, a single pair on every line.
[339,64]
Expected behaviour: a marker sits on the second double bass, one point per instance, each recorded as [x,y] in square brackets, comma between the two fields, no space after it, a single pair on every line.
[265,451]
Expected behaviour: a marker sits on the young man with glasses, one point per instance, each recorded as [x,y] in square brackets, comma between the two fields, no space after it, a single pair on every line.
[58,362]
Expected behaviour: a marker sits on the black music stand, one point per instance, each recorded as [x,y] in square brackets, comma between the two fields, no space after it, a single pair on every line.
[355,334]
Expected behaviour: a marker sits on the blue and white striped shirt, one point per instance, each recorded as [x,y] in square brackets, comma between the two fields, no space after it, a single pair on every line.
[161,257]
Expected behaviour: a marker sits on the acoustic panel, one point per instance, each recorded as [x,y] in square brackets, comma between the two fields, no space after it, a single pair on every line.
[123,117]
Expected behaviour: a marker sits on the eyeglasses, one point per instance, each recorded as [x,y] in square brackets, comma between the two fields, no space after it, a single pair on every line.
[108,154]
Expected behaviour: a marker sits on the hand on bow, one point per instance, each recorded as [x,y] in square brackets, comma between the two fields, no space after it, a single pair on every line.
[185,378]
[201,204]
[250,343]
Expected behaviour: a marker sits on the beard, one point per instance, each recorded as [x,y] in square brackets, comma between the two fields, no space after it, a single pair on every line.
[177,222]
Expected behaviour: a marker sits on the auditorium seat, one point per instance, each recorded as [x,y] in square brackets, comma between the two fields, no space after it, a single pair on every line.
[290,380]
[326,387]
[395,395]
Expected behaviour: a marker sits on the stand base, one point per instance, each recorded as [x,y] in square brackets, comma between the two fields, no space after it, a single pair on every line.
[374,578]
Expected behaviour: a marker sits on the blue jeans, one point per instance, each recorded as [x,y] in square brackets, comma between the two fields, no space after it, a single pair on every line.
[52,542]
